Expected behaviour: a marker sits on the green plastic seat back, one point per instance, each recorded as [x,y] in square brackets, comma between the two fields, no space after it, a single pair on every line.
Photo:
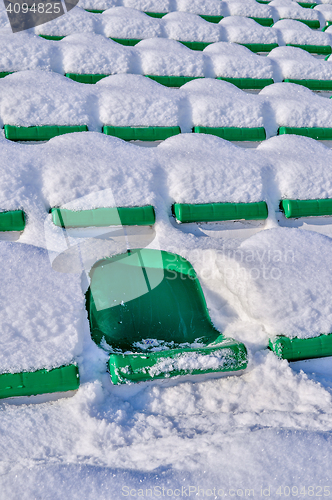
[147,294]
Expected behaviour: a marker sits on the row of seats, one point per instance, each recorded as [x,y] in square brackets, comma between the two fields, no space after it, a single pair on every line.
[129,24]
[284,168]
[86,171]
[134,107]
[89,58]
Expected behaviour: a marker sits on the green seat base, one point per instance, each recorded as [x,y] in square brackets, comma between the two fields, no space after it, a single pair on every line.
[228,356]
[298,349]
[195,45]
[95,11]
[172,81]
[42,133]
[248,83]
[260,47]
[213,212]
[5,73]
[102,217]
[306,208]
[85,78]
[13,220]
[141,133]
[129,42]
[312,84]
[210,18]
[65,378]
[312,49]
[234,133]
[55,38]
[313,132]
[156,15]
[263,21]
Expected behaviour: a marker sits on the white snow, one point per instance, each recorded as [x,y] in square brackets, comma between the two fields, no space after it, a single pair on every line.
[292,62]
[235,61]
[42,311]
[243,30]
[262,429]
[216,103]
[290,31]
[168,57]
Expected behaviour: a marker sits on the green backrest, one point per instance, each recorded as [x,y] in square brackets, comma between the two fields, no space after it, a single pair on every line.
[147,294]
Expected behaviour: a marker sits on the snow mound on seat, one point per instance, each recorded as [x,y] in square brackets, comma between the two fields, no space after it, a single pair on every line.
[287,9]
[296,106]
[292,62]
[168,57]
[212,7]
[216,103]
[235,61]
[75,21]
[190,27]
[243,30]
[302,168]
[137,101]
[41,311]
[90,53]
[295,32]
[249,8]
[23,51]
[230,173]
[120,22]
[283,279]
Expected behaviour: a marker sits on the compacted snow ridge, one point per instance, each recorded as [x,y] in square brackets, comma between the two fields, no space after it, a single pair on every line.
[262,432]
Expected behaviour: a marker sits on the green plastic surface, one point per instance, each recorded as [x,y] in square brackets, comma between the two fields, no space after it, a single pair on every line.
[157,15]
[172,81]
[130,42]
[85,78]
[314,132]
[149,294]
[263,21]
[55,38]
[234,133]
[95,11]
[163,364]
[306,208]
[248,83]
[297,349]
[13,220]
[307,5]
[42,133]
[195,45]
[313,49]
[260,47]
[65,378]
[311,23]
[211,19]
[263,1]
[213,212]
[312,84]
[5,73]
[101,217]
[141,133]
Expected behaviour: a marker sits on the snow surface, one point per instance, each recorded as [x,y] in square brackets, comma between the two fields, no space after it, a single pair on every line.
[265,428]
[292,62]
[290,31]
[42,311]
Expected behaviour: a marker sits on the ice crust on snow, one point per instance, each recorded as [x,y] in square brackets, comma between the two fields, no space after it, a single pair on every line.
[42,311]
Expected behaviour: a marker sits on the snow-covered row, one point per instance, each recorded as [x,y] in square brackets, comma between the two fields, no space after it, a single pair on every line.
[94,54]
[84,171]
[31,98]
[278,9]
[122,22]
